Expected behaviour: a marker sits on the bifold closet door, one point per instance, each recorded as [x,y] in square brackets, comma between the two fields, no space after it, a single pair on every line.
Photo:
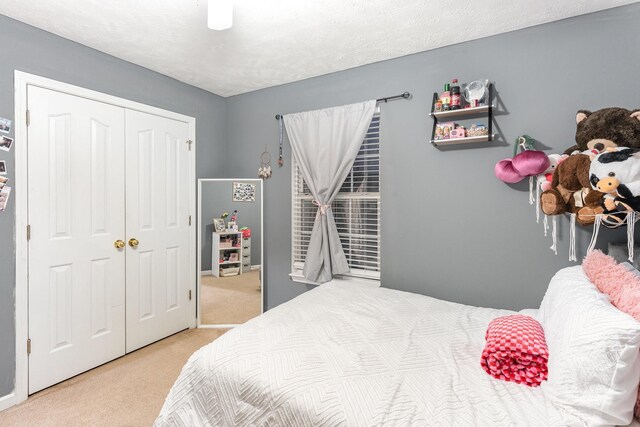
[76,197]
[157,222]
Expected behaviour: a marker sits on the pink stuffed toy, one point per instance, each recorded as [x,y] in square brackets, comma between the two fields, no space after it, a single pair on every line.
[529,162]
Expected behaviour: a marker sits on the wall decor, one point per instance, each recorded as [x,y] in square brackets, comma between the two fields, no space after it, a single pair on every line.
[4,198]
[280,143]
[595,182]
[5,143]
[264,171]
[244,192]
[5,125]
[3,167]
[450,105]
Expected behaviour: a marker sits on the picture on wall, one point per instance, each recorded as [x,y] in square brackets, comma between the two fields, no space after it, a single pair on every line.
[3,167]
[5,125]
[5,143]
[244,192]
[4,198]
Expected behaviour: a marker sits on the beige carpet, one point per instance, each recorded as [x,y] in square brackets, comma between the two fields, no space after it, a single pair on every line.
[230,300]
[129,391]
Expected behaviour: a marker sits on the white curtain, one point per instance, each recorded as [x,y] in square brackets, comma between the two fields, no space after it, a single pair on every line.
[325,144]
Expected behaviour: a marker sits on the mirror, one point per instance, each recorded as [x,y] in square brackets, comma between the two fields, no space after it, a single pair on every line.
[230,251]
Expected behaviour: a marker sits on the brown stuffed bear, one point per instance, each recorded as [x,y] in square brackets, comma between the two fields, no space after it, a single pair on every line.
[606,128]
[571,191]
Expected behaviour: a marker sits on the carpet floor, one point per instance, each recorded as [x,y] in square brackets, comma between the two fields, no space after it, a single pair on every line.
[129,391]
[230,300]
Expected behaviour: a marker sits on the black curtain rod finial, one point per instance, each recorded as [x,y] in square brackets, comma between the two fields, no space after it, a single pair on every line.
[405,95]
[278,116]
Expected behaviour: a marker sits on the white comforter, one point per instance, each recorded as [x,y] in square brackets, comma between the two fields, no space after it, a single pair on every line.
[354,355]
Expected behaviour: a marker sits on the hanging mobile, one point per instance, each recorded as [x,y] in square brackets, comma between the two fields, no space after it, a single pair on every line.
[264,171]
[280,159]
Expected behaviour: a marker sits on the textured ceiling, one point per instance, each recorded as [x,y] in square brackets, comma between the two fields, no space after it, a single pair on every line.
[275,42]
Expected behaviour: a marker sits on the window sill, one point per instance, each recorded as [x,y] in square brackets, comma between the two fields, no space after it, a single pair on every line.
[298,277]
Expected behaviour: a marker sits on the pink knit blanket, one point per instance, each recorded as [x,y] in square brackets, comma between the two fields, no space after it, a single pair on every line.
[516,350]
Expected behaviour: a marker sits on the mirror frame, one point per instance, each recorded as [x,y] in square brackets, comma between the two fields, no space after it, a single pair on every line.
[259,182]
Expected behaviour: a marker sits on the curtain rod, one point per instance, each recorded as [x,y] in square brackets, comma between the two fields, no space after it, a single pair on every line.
[405,95]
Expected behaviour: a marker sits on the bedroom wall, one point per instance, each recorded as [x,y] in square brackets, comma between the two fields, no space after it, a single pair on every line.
[217,198]
[34,51]
[450,229]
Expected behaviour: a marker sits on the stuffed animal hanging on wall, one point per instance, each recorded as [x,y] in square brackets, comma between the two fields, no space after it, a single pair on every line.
[606,128]
[571,191]
[545,178]
[617,173]
[529,162]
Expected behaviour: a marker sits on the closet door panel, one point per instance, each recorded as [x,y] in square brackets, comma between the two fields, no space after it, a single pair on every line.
[158,218]
[76,212]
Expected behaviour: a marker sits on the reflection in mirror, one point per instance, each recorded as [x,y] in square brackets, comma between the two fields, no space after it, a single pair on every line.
[230,230]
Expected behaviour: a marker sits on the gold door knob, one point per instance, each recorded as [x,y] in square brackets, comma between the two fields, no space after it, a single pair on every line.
[133,242]
[118,244]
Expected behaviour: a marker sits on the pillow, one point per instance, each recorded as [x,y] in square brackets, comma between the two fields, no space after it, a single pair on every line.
[616,280]
[623,278]
[594,368]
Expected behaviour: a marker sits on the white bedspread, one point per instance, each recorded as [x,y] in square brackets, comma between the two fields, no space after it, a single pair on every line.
[354,355]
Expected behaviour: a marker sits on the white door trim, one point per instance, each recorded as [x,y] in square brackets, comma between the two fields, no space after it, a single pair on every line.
[260,183]
[21,81]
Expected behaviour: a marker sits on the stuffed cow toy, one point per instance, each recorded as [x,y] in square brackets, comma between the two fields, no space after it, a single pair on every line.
[617,173]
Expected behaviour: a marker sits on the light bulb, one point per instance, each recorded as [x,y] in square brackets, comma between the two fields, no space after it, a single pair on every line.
[220,14]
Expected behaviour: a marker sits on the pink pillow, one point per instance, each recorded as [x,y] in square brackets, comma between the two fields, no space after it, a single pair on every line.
[622,286]
[613,279]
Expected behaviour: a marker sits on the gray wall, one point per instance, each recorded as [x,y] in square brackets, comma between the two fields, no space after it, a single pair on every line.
[217,198]
[450,229]
[34,51]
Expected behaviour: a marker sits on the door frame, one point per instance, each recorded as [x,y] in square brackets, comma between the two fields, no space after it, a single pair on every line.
[201,181]
[21,82]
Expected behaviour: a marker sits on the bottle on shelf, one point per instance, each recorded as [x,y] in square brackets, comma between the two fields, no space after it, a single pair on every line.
[455,95]
[445,97]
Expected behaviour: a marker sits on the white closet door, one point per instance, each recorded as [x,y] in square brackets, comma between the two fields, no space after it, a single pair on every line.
[157,216]
[76,213]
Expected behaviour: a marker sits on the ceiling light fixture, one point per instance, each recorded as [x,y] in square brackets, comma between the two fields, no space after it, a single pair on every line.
[220,14]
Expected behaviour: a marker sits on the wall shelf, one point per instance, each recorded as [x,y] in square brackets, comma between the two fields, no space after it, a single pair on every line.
[462,114]
[467,140]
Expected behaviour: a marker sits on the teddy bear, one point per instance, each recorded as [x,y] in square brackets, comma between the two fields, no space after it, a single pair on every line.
[617,173]
[606,128]
[571,191]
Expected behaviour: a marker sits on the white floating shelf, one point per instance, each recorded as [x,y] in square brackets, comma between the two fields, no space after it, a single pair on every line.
[467,140]
[463,112]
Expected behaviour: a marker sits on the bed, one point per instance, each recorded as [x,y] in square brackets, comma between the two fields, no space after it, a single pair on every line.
[355,355]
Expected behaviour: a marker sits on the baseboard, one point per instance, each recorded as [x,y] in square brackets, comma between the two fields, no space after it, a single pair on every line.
[7,401]
[206,273]
[255,267]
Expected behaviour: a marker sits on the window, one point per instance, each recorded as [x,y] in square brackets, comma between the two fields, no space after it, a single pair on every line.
[356,210]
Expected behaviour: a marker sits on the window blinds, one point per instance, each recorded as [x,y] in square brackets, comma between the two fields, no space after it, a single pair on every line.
[356,210]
